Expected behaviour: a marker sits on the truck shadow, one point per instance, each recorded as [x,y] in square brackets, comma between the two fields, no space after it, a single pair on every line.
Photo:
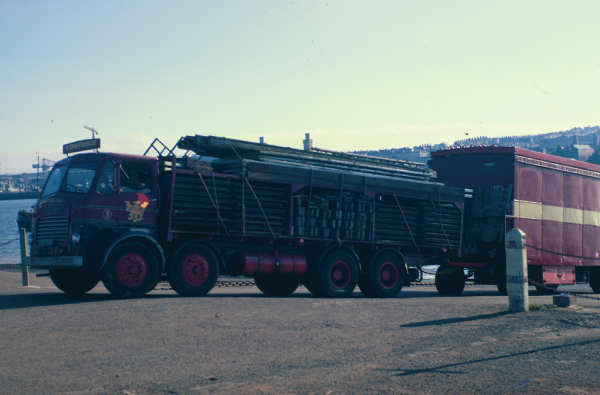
[449,368]
[455,320]
[41,299]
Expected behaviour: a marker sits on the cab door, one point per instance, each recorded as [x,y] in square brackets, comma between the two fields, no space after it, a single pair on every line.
[138,192]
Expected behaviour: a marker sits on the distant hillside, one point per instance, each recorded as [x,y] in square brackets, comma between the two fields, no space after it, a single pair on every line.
[579,143]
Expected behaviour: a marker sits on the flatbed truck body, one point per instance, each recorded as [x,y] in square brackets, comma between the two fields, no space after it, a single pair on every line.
[229,207]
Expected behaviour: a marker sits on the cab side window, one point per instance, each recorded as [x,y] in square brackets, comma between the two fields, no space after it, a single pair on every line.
[135,177]
[106,180]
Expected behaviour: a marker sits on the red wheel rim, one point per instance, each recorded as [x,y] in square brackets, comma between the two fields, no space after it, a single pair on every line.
[195,269]
[340,274]
[131,270]
[388,275]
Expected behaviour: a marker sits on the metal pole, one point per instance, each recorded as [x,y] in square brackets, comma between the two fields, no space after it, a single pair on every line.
[24,257]
[517,283]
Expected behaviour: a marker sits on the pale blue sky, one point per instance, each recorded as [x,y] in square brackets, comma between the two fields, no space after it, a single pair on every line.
[356,74]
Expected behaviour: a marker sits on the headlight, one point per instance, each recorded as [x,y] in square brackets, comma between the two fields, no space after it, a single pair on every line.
[75,237]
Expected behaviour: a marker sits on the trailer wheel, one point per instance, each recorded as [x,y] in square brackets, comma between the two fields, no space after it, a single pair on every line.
[384,276]
[450,280]
[595,279]
[73,282]
[193,270]
[277,285]
[337,274]
[132,270]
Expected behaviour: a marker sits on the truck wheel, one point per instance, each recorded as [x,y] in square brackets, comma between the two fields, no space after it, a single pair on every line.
[193,270]
[73,282]
[337,275]
[277,285]
[450,280]
[595,279]
[132,270]
[384,276]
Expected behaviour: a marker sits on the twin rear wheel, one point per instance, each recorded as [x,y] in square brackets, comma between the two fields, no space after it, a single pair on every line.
[335,275]
[338,273]
[384,277]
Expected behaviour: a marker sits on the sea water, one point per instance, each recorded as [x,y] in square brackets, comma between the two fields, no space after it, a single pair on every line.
[9,232]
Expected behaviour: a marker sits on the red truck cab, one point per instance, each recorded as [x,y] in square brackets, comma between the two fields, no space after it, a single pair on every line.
[90,203]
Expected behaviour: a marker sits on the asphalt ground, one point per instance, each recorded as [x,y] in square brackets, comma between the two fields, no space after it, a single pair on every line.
[236,341]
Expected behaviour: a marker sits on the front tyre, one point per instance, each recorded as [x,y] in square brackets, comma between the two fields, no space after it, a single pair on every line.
[132,270]
[73,282]
[193,270]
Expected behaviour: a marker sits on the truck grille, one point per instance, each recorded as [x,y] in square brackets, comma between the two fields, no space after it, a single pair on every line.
[51,229]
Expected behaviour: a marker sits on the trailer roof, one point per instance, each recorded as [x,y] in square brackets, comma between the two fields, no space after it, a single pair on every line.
[512,151]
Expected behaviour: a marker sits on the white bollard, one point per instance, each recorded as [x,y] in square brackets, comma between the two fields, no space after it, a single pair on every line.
[517,285]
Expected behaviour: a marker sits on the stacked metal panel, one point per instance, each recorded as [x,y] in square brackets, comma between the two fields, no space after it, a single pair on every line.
[329,216]
[417,222]
[197,205]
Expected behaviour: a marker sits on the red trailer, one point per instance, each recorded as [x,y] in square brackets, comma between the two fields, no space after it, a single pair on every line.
[554,200]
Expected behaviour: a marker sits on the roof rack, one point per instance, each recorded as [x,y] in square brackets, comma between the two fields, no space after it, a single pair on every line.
[160,148]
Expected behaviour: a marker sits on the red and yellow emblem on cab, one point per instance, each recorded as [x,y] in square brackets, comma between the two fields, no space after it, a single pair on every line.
[137,208]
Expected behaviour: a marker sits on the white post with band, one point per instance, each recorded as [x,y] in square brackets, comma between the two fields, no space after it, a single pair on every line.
[517,283]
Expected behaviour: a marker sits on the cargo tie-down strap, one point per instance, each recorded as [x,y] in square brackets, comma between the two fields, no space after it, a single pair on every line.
[262,210]
[213,202]
[412,236]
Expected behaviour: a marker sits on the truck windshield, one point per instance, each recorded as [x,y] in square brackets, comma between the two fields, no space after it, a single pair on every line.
[54,180]
[79,177]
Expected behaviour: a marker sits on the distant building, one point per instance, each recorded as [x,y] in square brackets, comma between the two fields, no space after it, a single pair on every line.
[583,151]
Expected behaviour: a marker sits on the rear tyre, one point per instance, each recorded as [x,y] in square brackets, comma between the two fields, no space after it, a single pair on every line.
[450,280]
[277,285]
[193,270]
[132,270]
[337,274]
[595,279]
[73,282]
[384,276]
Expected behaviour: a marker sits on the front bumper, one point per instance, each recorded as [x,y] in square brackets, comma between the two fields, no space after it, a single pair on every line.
[56,261]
